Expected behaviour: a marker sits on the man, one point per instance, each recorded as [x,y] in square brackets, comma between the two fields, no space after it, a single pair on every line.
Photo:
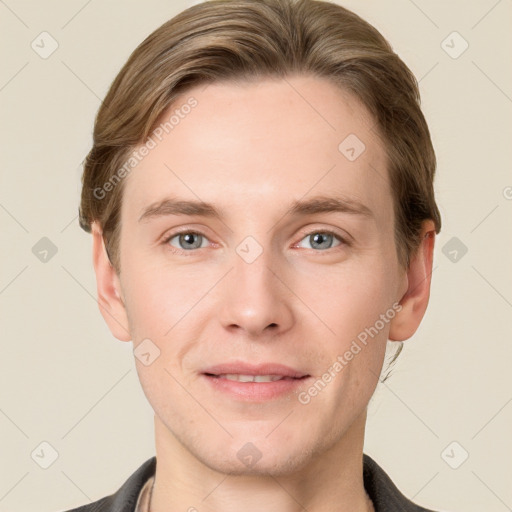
[260,195]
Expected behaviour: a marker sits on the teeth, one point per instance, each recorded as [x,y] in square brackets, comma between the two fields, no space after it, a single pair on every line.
[251,378]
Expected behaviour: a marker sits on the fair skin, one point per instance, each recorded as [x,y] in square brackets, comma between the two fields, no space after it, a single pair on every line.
[251,150]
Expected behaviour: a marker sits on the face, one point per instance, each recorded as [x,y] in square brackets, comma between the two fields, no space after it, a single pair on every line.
[269,273]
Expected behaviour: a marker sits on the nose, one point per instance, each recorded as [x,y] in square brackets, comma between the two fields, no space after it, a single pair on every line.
[255,298]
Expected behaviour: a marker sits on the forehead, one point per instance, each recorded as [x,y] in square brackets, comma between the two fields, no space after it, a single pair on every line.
[268,141]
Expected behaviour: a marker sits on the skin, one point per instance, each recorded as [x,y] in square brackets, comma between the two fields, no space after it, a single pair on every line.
[251,149]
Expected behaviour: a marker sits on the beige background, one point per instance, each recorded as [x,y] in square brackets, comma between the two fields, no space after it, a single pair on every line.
[66,381]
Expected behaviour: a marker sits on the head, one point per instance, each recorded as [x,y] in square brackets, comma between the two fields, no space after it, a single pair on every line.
[298,133]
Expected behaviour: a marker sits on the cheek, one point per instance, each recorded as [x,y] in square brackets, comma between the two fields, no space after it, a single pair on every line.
[352,305]
[351,298]
[360,315]
[158,297]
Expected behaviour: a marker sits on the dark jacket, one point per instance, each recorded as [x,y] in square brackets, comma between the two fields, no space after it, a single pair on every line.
[382,491]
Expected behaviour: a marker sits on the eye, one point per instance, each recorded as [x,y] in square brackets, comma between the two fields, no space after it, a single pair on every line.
[323,240]
[187,240]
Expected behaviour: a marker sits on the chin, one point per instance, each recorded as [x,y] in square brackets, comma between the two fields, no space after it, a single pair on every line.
[270,464]
[245,455]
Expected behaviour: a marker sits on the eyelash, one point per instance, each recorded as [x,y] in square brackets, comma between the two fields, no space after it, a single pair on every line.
[174,250]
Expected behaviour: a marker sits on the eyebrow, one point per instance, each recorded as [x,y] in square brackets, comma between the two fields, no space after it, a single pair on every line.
[315,205]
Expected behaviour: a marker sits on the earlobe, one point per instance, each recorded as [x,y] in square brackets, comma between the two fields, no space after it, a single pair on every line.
[414,301]
[110,301]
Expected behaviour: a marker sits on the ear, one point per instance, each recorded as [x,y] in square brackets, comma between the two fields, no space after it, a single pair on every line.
[110,300]
[416,290]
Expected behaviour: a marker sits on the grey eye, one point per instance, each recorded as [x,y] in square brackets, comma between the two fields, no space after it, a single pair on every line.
[188,241]
[320,240]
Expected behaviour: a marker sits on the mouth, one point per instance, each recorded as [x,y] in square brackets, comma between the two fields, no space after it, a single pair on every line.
[245,370]
[245,382]
[253,378]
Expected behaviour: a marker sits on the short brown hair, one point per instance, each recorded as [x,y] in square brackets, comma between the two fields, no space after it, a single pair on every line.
[244,39]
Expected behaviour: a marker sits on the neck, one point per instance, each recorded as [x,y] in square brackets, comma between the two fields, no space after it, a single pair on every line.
[330,480]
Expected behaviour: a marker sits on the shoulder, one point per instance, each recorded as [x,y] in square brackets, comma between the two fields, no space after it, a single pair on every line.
[125,499]
[385,495]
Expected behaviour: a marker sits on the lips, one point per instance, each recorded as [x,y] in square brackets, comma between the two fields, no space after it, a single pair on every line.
[245,382]
[250,378]
[245,372]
